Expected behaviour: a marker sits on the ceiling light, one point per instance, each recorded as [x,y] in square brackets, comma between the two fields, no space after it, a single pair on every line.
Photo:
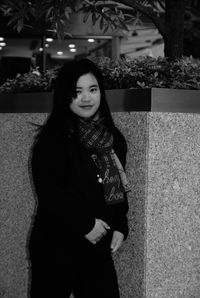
[72,50]
[0,48]
[46,45]
[1,38]
[2,44]
[40,49]
[59,53]
[91,40]
[71,46]
[48,39]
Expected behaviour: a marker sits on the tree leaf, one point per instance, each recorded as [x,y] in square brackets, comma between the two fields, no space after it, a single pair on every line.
[101,24]
[106,29]
[20,25]
[49,11]
[123,25]
[93,18]
[86,16]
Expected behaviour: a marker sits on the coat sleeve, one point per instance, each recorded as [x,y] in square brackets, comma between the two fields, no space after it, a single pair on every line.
[120,218]
[121,209]
[58,199]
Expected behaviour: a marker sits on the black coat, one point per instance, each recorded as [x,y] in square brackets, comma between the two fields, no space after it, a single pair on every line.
[69,196]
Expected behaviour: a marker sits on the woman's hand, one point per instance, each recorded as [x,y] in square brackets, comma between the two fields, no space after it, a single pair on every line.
[98,231]
[117,240]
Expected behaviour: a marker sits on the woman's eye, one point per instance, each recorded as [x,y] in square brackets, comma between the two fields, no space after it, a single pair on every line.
[78,92]
[93,90]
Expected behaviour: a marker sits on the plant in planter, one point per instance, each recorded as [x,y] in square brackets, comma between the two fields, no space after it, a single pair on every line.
[142,73]
[147,72]
[33,81]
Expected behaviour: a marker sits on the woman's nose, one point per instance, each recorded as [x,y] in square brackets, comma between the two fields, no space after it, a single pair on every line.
[86,97]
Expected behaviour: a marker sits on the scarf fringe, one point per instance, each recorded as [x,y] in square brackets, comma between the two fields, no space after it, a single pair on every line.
[124,180]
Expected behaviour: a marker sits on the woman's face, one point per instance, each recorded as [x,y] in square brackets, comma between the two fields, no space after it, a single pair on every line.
[88,98]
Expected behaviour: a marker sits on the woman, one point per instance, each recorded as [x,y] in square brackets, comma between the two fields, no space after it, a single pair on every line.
[80,184]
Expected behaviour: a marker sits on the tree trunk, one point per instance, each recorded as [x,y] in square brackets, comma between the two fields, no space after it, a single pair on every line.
[174,28]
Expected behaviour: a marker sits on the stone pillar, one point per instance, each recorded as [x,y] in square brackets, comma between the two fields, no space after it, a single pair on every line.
[173,206]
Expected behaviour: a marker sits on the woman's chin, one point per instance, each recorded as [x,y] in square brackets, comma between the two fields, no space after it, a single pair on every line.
[90,116]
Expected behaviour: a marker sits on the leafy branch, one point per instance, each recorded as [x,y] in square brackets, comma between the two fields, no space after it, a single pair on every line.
[52,13]
[108,13]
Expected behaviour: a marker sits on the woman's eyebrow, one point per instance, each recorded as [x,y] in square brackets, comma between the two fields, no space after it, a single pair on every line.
[94,85]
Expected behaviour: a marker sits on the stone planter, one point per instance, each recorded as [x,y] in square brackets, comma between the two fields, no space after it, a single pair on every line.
[155,100]
[40,102]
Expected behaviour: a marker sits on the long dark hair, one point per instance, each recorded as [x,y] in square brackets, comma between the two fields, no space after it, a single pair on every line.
[62,118]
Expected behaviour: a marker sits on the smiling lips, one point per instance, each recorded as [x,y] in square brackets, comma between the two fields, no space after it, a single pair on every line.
[86,107]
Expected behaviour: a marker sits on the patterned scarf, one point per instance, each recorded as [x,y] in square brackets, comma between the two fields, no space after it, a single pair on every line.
[97,139]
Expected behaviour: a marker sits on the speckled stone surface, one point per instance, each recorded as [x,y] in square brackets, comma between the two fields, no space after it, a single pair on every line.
[130,261]
[173,206]
[17,203]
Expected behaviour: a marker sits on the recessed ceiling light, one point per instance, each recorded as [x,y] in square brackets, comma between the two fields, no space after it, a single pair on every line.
[91,40]
[72,50]
[40,49]
[71,46]
[2,44]
[60,53]
[48,39]
[1,38]
[46,45]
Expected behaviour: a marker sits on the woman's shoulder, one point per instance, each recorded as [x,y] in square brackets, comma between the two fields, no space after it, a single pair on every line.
[50,145]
